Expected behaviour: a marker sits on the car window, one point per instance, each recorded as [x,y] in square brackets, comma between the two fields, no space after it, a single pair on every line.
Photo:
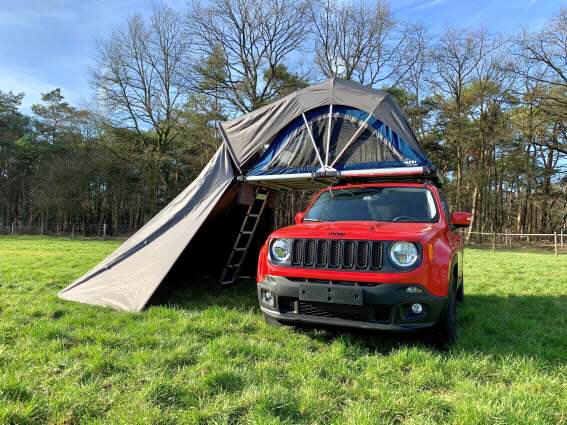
[390,204]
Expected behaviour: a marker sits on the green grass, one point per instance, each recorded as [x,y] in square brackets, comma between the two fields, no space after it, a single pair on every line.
[212,359]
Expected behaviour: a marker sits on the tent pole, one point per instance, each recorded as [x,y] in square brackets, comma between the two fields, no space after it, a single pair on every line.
[352,139]
[329,134]
[228,147]
[312,139]
[330,122]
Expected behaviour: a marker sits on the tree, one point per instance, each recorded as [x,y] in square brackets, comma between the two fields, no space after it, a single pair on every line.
[245,49]
[545,54]
[140,73]
[362,41]
[455,60]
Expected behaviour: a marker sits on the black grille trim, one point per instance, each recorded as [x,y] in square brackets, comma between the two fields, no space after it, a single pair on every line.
[368,313]
[337,254]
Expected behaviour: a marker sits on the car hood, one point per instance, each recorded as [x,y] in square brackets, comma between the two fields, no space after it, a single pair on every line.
[370,230]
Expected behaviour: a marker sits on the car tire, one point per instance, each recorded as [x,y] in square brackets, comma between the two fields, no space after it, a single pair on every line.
[445,333]
[461,293]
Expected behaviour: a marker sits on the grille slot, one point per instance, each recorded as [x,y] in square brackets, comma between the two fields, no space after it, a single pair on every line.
[337,254]
[377,314]
[321,253]
[297,252]
[362,255]
[338,311]
[309,252]
[376,256]
[348,254]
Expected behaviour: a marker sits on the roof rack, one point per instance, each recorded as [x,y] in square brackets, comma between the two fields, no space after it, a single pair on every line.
[328,177]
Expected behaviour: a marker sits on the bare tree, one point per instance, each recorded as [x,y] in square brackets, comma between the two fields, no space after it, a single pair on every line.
[245,49]
[361,41]
[545,53]
[139,73]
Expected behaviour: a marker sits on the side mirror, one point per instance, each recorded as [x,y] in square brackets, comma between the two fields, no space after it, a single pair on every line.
[299,217]
[461,219]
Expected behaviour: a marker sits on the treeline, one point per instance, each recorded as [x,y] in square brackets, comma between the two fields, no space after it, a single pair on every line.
[490,109]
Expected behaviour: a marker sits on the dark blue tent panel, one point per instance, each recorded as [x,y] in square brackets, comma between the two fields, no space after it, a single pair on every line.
[357,141]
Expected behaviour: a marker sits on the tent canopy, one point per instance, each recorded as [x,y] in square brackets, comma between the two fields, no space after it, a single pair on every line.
[335,129]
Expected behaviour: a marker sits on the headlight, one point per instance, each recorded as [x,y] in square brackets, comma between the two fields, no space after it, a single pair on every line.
[404,254]
[280,251]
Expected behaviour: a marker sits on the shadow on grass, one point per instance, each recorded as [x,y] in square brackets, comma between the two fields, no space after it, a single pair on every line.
[535,326]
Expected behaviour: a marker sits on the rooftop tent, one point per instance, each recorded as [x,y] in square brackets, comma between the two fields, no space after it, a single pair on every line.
[313,137]
[335,129]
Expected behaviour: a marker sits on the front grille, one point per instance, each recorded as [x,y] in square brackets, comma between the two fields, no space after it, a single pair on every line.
[338,311]
[337,254]
[378,313]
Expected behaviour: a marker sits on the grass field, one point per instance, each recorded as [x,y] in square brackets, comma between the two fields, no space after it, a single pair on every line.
[205,359]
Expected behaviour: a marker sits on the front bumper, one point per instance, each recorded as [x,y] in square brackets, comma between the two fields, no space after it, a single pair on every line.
[379,306]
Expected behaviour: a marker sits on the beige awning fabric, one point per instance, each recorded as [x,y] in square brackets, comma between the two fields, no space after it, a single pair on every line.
[129,276]
[249,133]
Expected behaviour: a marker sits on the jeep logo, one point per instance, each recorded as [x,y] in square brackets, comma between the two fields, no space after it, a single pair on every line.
[336,233]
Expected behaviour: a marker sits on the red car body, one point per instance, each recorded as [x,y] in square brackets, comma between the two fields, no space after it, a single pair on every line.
[436,278]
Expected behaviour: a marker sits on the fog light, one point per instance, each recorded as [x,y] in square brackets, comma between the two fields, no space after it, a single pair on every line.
[414,290]
[268,298]
[416,308]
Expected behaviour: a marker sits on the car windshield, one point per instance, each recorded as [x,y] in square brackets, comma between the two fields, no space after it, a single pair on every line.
[391,204]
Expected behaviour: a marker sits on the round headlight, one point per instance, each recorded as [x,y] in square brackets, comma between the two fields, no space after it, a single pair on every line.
[281,250]
[403,254]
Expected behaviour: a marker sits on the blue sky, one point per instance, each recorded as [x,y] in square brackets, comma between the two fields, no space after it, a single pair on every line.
[46,44]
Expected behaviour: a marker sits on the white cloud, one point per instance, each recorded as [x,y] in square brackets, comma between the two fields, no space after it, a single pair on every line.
[425,4]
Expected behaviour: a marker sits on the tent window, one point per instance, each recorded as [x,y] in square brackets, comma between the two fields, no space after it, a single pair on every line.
[298,151]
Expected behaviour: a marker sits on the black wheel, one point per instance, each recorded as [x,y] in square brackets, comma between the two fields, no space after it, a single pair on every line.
[461,293]
[445,332]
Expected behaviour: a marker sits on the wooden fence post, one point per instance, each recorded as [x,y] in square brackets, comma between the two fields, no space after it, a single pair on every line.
[73,230]
[561,237]
[494,242]
[555,242]
[104,231]
[12,228]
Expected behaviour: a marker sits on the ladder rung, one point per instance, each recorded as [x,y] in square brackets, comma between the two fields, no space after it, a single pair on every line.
[247,232]
[240,249]
[261,196]
[254,215]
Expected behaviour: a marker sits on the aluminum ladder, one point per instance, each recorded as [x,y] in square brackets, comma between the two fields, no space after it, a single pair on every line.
[245,236]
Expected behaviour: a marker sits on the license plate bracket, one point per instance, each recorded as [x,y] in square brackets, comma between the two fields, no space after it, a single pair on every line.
[333,294]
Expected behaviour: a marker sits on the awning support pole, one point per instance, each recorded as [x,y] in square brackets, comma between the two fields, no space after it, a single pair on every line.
[228,147]
[312,138]
[352,139]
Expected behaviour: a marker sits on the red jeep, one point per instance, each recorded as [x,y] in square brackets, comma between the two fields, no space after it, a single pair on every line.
[375,256]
